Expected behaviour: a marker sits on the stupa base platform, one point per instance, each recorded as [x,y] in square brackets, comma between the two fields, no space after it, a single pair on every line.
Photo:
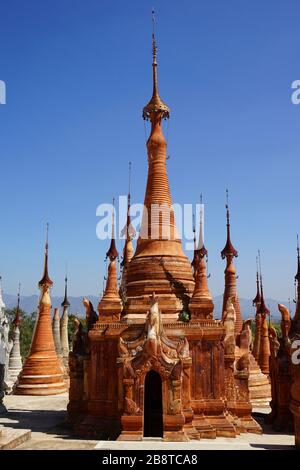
[39,389]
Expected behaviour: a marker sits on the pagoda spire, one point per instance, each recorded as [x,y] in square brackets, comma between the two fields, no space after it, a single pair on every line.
[17,319]
[195,257]
[230,291]
[64,336]
[128,251]
[199,248]
[297,280]
[258,317]
[112,252]
[201,304]
[257,298]
[42,373]
[46,281]
[159,255]
[264,347]
[15,359]
[109,307]
[65,302]
[155,105]
[129,230]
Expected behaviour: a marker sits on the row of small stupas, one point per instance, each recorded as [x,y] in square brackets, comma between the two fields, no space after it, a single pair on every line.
[208,371]
[283,365]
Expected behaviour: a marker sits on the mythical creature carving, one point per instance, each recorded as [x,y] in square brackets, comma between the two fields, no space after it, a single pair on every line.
[79,340]
[286,322]
[90,314]
[130,406]
[229,324]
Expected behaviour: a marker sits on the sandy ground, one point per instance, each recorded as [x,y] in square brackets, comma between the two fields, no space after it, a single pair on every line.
[45,417]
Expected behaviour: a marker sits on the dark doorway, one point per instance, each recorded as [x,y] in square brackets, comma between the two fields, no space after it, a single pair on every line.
[153,410]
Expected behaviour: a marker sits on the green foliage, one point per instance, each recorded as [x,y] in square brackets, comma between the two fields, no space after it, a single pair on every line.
[184,316]
[26,329]
[277,328]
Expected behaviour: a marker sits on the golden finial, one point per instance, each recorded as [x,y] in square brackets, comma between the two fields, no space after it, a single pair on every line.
[155,107]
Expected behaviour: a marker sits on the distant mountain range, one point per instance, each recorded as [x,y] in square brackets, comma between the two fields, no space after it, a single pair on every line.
[29,305]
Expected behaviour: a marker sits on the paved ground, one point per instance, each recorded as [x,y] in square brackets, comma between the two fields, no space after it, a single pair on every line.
[45,417]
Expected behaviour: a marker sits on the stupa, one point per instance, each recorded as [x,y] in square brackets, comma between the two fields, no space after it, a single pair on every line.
[42,373]
[15,359]
[141,371]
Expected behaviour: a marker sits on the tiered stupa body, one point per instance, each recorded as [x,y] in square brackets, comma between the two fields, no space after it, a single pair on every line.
[145,352]
[42,372]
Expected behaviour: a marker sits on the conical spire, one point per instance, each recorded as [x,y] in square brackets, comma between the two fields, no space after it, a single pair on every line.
[155,105]
[257,298]
[17,320]
[258,316]
[297,280]
[109,307]
[46,279]
[230,291]
[129,231]
[262,309]
[112,252]
[201,304]
[228,249]
[56,331]
[64,335]
[195,257]
[264,347]
[199,249]
[15,360]
[65,302]
[159,257]
[201,246]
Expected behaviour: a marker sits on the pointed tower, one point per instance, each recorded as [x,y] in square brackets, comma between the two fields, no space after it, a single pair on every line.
[229,252]
[296,320]
[159,263]
[264,347]
[128,247]
[256,303]
[201,304]
[15,359]
[56,332]
[64,337]
[42,373]
[109,307]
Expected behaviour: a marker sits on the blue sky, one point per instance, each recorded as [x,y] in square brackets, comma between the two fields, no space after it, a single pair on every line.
[78,74]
